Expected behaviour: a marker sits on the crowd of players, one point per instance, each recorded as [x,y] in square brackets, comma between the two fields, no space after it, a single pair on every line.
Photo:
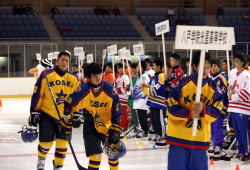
[161,107]
[144,99]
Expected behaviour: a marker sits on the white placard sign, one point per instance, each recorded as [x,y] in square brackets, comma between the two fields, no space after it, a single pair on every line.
[38,56]
[162,27]
[50,56]
[232,35]
[55,55]
[78,51]
[112,50]
[81,56]
[104,53]
[138,49]
[204,37]
[90,58]
[127,54]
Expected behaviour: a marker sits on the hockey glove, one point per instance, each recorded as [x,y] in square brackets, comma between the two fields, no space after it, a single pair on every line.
[114,134]
[34,118]
[76,119]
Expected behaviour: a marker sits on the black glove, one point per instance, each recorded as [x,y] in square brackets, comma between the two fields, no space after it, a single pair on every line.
[34,118]
[114,134]
[77,119]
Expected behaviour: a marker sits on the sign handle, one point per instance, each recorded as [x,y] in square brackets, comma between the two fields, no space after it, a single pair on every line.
[228,62]
[164,53]
[129,74]
[199,86]
[113,66]
[102,64]
[140,65]
[190,62]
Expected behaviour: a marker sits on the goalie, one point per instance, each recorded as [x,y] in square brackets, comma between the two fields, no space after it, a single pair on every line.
[101,112]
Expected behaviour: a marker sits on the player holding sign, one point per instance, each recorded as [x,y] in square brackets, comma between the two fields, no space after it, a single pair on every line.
[122,87]
[189,152]
[101,112]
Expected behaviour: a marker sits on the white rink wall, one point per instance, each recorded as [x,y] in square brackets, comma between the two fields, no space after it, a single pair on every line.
[17,86]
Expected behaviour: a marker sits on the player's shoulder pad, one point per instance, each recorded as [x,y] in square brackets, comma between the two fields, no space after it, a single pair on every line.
[108,87]
[84,87]
[47,72]
[70,73]
[211,83]
[223,78]
[184,81]
[161,78]
[179,69]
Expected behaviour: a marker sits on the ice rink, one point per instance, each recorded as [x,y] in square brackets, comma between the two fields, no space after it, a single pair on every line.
[16,155]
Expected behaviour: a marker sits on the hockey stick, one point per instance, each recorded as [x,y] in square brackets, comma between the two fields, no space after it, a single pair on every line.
[224,157]
[67,137]
[121,137]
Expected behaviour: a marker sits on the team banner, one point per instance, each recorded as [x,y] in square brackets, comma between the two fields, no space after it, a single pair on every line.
[104,53]
[204,37]
[138,49]
[38,56]
[78,51]
[112,50]
[162,27]
[90,58]
[50,56]
[55,55]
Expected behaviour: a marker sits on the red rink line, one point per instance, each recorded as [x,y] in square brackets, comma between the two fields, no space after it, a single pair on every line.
[26,155]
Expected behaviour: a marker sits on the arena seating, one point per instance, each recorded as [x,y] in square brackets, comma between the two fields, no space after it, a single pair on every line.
[85,25]
[21,27]
[235,18]
[150,17]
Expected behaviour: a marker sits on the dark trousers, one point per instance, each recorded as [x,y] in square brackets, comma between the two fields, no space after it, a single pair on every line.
[158,121]
[142,116]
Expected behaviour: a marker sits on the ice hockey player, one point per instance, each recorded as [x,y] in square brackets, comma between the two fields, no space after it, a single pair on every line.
[149,69]
[182,109]
[156,101]
[217,126]
[239,104]
[43,111]
[101,112]
[140,101]
[43,65]
[176,73]
[122,87]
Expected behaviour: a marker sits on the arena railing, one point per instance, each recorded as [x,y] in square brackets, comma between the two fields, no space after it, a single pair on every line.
[16,58]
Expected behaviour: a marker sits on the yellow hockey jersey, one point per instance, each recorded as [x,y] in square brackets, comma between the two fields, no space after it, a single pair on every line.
[180,104]
[62,87]
[103,106]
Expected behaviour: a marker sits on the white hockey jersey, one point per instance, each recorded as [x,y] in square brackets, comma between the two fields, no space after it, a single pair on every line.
[141,100]
[150,73]
[240,100]
[122,82]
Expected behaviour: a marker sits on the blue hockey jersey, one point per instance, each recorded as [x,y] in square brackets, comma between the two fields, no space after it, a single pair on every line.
[156,91]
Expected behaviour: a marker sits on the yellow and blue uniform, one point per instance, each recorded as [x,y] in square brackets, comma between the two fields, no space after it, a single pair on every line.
[180,103]
[191,150]
[101,108]
[217,126]
[104,105]
[62,86]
